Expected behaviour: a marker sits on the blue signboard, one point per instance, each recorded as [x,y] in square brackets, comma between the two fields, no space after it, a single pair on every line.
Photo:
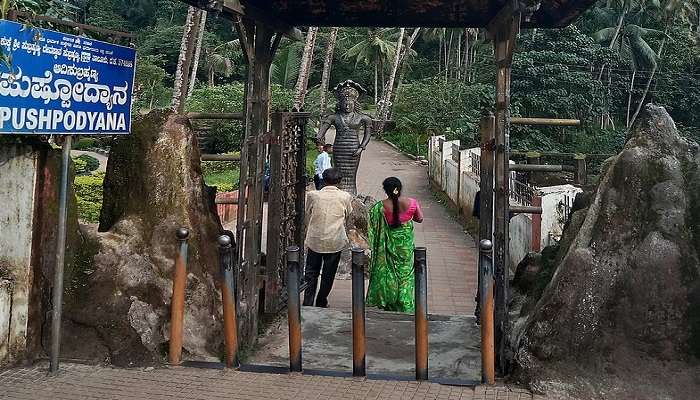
[61,84]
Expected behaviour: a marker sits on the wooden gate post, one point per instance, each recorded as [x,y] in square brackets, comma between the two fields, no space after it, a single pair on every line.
[504,29]
[259,43]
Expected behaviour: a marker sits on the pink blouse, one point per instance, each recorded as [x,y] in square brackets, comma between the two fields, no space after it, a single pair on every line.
[412,213]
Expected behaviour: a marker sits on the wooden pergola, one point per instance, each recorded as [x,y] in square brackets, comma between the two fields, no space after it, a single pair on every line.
[262,24]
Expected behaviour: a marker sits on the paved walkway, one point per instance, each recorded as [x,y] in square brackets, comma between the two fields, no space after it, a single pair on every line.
[452,254]
[76,381]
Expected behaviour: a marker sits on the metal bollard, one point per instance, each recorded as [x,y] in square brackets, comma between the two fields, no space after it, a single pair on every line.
[177,304]
[488,363]
[294,308]
[421,315]
[359,356]
[228,299]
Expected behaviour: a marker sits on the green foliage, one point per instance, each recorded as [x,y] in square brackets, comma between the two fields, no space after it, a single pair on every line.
[86,143]
[150,86]
[225,180]
[88,190]
[91,162]
[414,144]
[440,106]
[225,136]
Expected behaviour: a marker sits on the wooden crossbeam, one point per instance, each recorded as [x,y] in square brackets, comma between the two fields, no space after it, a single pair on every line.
[545,121]
[234,9]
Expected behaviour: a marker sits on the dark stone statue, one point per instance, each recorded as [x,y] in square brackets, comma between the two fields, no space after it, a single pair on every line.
[348,122]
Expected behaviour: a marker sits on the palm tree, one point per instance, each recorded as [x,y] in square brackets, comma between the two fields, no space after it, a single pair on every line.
[217,61]
[305,68]
[198,50]
[285,68]
[633,45]
[327,65]
[402,53]
[670,10]
[375,50]
[184,61]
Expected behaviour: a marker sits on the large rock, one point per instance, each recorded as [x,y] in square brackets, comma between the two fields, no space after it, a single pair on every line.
[121,300]
[622,308]
[356,228]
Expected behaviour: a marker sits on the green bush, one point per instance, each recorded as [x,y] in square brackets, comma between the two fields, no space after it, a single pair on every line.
[226,136]
[80,166]
[441,107]
[225,181]
[88,190]
[86,143]
[91,163]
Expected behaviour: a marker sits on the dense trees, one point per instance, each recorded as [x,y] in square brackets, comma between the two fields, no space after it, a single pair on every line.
[603,69]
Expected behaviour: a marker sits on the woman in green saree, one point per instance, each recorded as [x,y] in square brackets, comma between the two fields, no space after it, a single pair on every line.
[391,241]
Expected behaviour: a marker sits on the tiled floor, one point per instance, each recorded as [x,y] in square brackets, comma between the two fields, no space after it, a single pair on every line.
[76,381]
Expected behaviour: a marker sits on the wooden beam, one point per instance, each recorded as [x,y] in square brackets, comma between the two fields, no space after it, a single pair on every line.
[545,121]
[221,157]
[525,209]
[232,9]
[202,115]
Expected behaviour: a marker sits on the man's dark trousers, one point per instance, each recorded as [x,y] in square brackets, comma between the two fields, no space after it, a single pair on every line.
[311,272]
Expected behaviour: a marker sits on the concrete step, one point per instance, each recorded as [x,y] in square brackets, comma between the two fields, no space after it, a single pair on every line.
[454,342]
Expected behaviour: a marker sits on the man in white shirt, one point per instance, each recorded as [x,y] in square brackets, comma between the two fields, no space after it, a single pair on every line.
[322,163]
[326,212]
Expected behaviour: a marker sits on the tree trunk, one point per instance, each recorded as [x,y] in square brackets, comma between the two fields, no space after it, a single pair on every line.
[305,69]
[620,22]
[448,61]
[440,56]
[197,50]
[376,77]
[458,57]
[629,97]
[184,61]
[651,76]
[386,99]
[327,65]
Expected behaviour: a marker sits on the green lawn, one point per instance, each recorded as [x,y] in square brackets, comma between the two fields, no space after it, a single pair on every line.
[225,181]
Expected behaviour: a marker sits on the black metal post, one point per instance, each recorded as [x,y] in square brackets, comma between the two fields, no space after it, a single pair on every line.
[294,308]
[60,257]
[358,313]
[421,315]
[228,298]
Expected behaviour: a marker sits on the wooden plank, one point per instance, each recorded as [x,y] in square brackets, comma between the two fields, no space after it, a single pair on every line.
[505,32]
[201,115]
[545,121]
[221,157]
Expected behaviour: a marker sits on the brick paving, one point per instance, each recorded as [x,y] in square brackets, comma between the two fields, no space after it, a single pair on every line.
[452,253]
[77,381]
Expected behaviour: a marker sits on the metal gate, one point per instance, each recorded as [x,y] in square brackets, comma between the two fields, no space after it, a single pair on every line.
[286,200]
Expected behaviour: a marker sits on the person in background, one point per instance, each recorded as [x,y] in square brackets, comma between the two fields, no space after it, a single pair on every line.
[391,242]
[326,213]
[322,163]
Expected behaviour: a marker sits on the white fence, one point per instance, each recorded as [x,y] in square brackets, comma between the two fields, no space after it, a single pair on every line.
[456,172]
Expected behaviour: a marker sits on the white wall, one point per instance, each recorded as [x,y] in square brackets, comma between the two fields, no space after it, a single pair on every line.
[553,213]
[5,309]
[445,172]
[520,243]
[451,180]
[17,184]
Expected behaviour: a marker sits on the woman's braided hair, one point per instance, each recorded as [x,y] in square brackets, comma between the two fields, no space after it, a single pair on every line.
[392,187]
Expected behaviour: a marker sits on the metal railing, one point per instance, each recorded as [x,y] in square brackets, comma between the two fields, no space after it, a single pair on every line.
[520,192]
[564,208]
[475,164]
